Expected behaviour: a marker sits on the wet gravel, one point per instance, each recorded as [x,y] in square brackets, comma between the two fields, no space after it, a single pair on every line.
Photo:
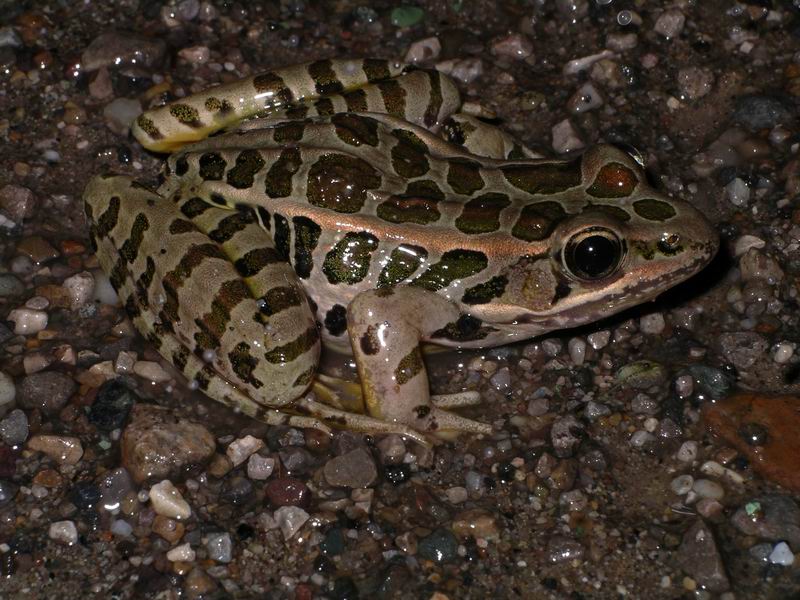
[650,456]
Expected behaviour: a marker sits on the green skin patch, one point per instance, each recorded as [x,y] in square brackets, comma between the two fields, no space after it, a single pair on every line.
[408,210]
[325,78]
[356,130]
[537,221]
[654,210]
[483,293]
[482,214]
[278,182]
[408,367]
[544,179]
[464,176]
[340,182]
[348,261]
[294,349]
[248,163]
[186,114]
[454,264]
[403,262]
[306,236]
[291,131]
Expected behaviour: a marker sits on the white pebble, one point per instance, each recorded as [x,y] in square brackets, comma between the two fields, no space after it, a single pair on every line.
[502,379]
[182,553]
[687,452]
[457,494]
[586,98]
[783,353]
[706,488]
[713,468]
[80,289]
[152,371]
[684,386]
[781,555]
[652,324]
[121,528]
[8,391]
[424,50]
[465,70]
[27,321]
[125,362]
[515,46]
[738,192]
[577,350]
[682,484]
[240,450]
[582,64]
[566,138]
[650,424]
[260,467]
[641,437]
[290,519]
[64,532]
[103,290]
[37,303]
[599,339]
[745,242]
[670,23]
[168,502]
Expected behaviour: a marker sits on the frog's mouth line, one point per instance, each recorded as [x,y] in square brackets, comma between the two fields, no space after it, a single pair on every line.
[628,297]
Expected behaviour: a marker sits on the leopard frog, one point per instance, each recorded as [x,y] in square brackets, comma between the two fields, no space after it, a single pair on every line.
[347,202]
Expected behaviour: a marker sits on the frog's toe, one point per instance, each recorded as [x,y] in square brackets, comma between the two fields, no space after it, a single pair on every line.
[448,425]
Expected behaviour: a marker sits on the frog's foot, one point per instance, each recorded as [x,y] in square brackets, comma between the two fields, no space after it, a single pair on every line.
[356,422]
[386,327]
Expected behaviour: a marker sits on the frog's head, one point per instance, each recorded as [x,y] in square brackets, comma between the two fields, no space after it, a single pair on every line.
[618,243]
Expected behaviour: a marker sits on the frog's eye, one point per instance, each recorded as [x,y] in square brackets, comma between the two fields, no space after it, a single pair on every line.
[593,253]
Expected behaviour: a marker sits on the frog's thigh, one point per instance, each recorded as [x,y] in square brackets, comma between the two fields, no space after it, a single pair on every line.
[385,328]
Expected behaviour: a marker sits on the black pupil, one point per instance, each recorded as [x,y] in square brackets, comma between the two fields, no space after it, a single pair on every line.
[595,255]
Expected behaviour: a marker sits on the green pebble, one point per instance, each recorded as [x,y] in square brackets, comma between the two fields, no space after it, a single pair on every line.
[407,16]
[441,546]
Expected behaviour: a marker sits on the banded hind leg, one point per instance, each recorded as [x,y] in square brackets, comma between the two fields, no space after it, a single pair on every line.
[386,327]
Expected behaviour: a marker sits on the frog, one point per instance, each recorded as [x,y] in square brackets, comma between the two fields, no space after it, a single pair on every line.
[351,203]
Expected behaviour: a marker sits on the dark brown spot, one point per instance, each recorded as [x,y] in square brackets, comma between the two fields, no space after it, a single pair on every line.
[370,345]
[482,213]
[336,320]
[544,178]
[340,182]
[537,221]
[325,79]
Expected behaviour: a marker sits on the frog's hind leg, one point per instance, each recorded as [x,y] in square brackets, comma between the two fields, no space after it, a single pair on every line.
[386,327]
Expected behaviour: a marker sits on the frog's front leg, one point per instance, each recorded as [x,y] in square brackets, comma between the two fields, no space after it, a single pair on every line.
[386,327]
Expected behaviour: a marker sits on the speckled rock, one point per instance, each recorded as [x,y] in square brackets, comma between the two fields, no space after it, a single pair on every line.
[65,450]
[111,406]
[168,502]
[157,444]
[355,469]
[441,546]
[48,391]
[762,112]
[14,428]
[698,556]
[287,491]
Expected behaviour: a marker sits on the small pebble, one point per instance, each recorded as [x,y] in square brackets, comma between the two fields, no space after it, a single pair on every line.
[8,392]
[652,324]
[515,46]
[182,553]
[355,469]
[219,547]
[457,495]
[577,351]
[14,428]
[706,488]
[121,528]
[682,484]
[27,321]
[783,353]
[640,438]
[406,16]
[687,452]
[260,467]
[80,289]
[290,519]
[62,449]
[64,532]
[48,391]
[566,138]
[670,23]
[586,98]
[152,371]
[738,192]
[168,501]
[599,339]
[782,555]
[240,450]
